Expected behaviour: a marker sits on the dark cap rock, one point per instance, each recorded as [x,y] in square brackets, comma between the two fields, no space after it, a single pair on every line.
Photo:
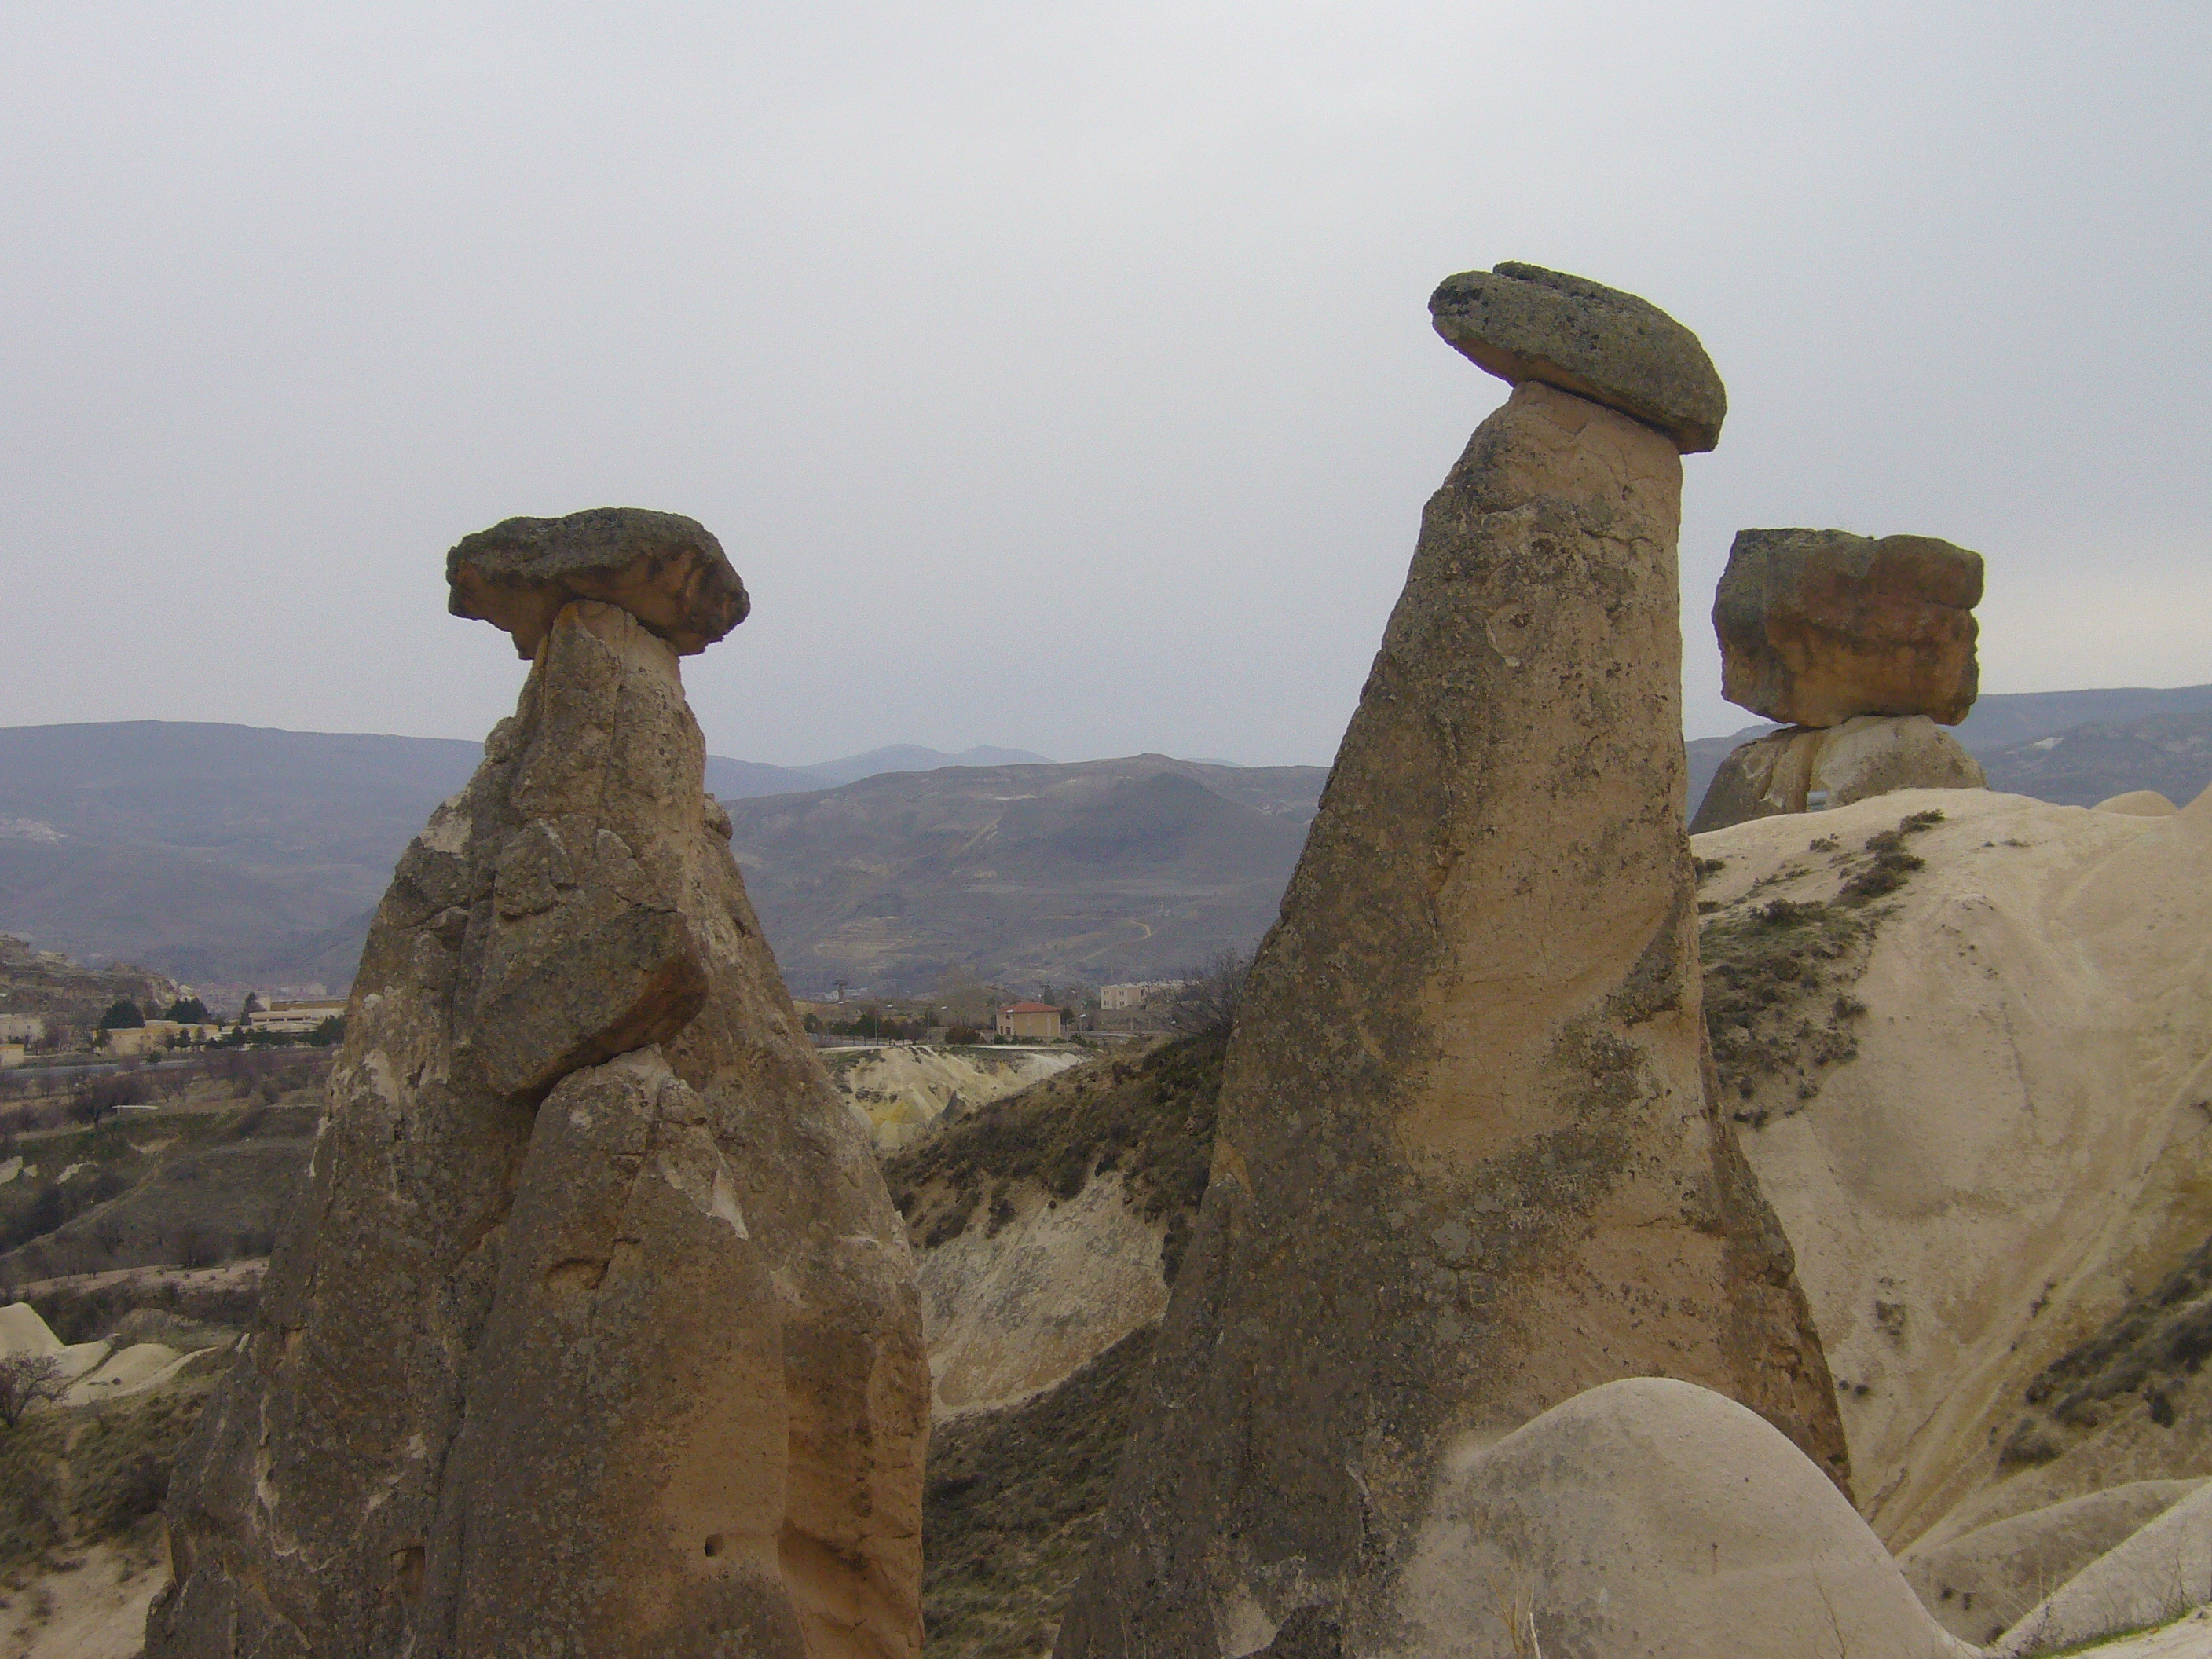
[1817,627]
[1524,323]
[662,568]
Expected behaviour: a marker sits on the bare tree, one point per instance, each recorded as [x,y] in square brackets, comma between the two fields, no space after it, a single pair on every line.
[1211,995]
[25,1380]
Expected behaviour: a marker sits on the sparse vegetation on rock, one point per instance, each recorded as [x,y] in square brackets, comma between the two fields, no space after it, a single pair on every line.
[1778,974]
[1014,1503]
[1148,1116]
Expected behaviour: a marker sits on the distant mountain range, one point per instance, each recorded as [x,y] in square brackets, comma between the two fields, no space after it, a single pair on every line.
[2076,748]
[913,757]
[737,779]
[231,854]
[1100,871]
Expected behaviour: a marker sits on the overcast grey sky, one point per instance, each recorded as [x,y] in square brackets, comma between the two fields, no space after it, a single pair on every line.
[1058,377]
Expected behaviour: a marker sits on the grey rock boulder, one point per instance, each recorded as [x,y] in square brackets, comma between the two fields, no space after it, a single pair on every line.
[1522,322]
[662,568]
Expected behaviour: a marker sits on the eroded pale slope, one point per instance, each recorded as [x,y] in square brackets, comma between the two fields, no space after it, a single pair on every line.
[1995,1131]
[903,1088]
[1048,1227]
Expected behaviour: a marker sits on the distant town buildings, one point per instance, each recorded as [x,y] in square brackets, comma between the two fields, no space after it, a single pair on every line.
[22,1028]
[296,1018]
[1129,999]
[1038,1021]
[124,1041]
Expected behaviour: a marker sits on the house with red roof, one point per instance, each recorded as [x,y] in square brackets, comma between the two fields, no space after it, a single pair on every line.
[1037,1022]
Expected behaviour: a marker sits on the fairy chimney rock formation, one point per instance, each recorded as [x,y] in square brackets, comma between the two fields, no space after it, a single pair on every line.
[665,569]
[595,1333]
[1467,1164]
[1862,647]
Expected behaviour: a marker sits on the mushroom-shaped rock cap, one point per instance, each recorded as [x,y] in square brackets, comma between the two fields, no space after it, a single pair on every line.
[1524,323]
[662,568]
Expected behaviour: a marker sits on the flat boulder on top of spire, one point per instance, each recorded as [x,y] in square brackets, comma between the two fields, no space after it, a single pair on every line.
[666,570]
[1524,323]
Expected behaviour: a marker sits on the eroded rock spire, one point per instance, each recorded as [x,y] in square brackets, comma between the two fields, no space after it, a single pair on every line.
[596,1333]
[1468,1164]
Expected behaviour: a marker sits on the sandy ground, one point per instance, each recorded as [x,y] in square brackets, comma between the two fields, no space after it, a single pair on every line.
[96,1611]
[2186,1638]
[1005,1315]
[96,1371]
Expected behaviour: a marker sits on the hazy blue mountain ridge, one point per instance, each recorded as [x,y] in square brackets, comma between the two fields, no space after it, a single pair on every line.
[231,853]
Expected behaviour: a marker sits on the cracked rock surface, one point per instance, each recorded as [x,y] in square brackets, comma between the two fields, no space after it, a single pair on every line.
[595,1333]
[1522,322]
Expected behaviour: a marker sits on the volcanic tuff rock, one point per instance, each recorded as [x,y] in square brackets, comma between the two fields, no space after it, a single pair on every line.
[1818,625]
[596,1333]
[665,569]
[1524,323]
[1648,1516]
[1867,754]
[1993,1165]
[1980,1585]
[2153,1574]
[1048,1226]
[1466,1164]
[2138,804]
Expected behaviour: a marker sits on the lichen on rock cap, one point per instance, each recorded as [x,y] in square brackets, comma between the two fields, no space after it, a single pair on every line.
[1522,322]
[665,569]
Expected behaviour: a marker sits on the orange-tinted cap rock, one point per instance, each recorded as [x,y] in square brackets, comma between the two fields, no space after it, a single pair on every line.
[1818,626]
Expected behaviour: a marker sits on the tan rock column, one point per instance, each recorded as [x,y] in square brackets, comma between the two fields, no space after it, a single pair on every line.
[597,1334]
[1467,1164]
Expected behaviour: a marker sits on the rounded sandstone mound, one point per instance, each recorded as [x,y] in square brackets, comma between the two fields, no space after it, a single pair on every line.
[2139,803]
[662,568]
[2151,1577]
[1657,1518]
